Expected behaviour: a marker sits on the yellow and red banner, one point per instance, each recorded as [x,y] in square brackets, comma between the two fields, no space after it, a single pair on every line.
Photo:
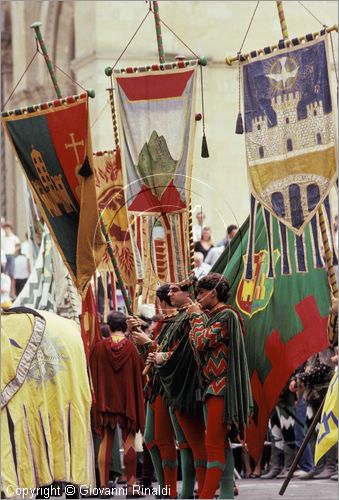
[111,203]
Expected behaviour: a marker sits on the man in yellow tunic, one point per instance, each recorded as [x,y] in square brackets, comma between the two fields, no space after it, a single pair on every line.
[45,403]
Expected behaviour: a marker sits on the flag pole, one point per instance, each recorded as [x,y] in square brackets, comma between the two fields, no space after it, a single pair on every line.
[158,32]
[282,19]
[36,27]
[332,280]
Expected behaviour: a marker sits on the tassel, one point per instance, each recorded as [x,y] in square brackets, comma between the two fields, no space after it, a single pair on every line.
[204,148]
[239,128]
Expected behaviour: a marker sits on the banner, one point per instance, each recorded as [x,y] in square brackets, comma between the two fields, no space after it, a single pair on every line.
[156,123]
[39,291]
[285,318]
[111,203]
[290,132]
[53,144]
[328,429]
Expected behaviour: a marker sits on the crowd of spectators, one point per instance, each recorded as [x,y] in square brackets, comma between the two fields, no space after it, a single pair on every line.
[206,253]
[16,264]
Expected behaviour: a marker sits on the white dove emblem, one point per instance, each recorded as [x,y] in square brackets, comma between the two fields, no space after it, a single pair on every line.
[284,74]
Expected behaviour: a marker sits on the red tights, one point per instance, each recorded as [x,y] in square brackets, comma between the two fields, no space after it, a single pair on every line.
[194,432]
[165,441]
[216,434]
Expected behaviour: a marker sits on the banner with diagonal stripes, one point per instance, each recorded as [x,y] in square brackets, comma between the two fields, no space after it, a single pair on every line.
[39,291]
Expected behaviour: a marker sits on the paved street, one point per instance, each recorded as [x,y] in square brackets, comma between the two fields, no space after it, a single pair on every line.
[258,489]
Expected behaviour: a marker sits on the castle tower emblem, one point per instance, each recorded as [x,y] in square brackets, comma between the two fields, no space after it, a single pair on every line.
[51,189]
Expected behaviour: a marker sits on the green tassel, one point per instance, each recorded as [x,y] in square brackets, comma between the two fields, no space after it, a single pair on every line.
[239,128]
[204,148]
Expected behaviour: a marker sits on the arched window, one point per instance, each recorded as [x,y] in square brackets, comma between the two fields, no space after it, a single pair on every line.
[261,151]
[289,145]
[319,139]
[258,127]
[287,120]
[315,112]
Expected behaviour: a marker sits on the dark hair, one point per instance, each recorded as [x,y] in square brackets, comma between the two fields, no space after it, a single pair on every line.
[215,281]
[116,320]
[231,228]
[104,330]
[186,286]
[162,294]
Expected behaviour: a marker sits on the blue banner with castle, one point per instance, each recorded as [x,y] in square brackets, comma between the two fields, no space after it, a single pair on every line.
[290,132]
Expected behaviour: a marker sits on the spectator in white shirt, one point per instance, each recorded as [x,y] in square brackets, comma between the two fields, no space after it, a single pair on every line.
[197,228]
[201,268]
[5,289]
[3,222]
[8,243]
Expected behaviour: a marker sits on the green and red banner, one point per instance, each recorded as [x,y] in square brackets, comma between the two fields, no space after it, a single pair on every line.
[285,317]
[53,144]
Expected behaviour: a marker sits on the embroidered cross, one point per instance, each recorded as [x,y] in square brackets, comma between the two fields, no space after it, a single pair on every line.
[74,145]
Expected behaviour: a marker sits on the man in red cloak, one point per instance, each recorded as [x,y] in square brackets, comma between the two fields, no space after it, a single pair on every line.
[116,369]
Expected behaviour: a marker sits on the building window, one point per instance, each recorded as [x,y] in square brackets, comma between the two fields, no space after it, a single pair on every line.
[315,112]
[258,127]
[319,140]
[287,120]
[261,151]
[289,145]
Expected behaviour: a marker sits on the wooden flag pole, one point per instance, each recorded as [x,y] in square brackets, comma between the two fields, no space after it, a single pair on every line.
[282,19]
[158,32]
[36,27]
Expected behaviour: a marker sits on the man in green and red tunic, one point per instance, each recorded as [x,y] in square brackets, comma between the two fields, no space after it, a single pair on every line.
[175,394]
[217,338]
